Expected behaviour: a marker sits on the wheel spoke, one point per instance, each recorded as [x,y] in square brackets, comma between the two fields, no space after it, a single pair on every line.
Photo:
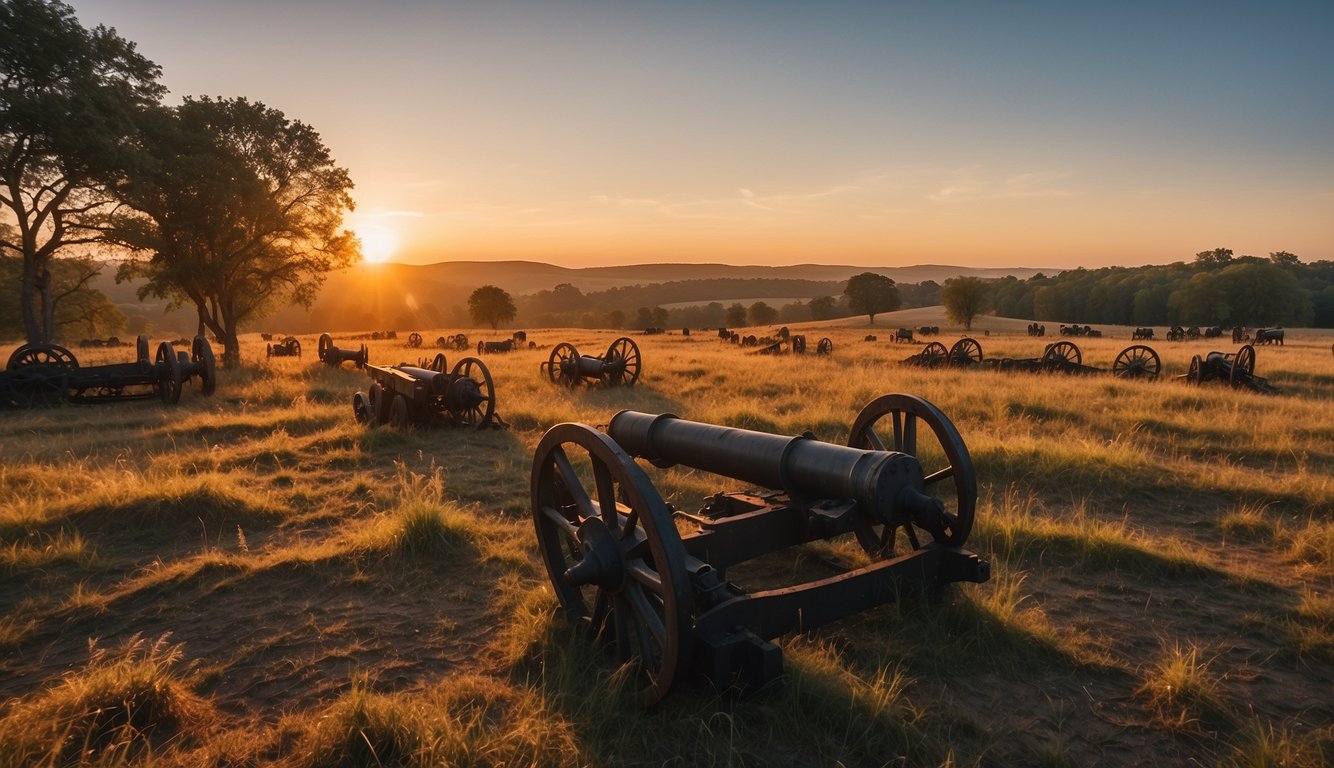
[572,483]
[562,522]
[648,616]
[873,439]
[938,475]
[639,571]
[897,417]
[910,434]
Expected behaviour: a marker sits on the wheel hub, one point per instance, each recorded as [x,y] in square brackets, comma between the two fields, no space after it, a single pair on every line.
[601,565]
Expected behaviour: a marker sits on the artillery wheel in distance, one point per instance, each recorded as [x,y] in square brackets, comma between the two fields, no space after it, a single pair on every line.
[1063,355]
[326,344]
[42,354]
[934,355]
[473,393]
[201,354]
[1245,360]
[944,459]
[1137,361]
[622,363]
[361,408]
[825,347]
[169,377]
[563,364]
[1194,374]
[966,351]
[414,339]
[612,552]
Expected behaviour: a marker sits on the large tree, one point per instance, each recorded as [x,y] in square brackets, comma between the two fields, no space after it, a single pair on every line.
[870,294]
[238,209]
[69,101]
[965,298]
[491,305]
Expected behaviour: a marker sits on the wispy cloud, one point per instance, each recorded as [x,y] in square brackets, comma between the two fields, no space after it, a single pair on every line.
[974,183]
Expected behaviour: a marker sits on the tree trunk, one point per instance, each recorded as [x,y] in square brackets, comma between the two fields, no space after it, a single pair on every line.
[47,293]
[231,346]
[28,296]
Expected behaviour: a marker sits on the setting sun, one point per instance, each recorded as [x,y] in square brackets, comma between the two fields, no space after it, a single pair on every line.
[378,243]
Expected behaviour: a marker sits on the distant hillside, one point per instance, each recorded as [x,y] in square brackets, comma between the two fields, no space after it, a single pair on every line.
[404,296]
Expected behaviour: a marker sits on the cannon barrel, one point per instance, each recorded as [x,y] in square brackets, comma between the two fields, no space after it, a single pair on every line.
[886,484]
[437,381]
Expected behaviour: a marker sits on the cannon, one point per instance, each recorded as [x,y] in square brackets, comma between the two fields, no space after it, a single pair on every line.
[794,343]
[1138,361]
[1037,330]
[47,374]
[1235,369]
[963,353]
[619,367]
[825,347]
[1269,336]
[1142,334]
[288,347]
[429,393]
[414,340]
[625,573]
[506,345]
[334,357]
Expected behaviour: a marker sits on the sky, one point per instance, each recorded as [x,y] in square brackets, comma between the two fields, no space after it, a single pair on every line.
[875,133]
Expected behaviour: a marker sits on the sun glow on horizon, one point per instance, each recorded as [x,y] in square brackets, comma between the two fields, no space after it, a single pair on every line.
[378,243]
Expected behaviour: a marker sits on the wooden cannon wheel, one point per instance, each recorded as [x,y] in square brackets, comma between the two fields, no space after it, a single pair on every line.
[414,339]
[612,552]
[439,363]
[169,376]
[945,459]
[825,347]
[621,363]
[475,388]
[361,408]
[38,373]
[1243,366]
[379,400]
[561,364]
[934,355]
[201,354]
[1194,374]
[1061,356]
[966,351]
[326,344]
[1137,361]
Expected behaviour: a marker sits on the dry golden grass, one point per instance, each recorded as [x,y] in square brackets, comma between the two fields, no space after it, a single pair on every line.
[342,596]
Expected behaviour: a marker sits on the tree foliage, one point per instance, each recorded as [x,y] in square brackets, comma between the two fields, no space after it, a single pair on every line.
[760,313]
[823,307]
[870,294]
[491,305]
[965,298]
[736,314]
[236,209]
[69,101]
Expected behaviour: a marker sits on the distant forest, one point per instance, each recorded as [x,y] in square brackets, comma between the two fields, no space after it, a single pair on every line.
[1216,289]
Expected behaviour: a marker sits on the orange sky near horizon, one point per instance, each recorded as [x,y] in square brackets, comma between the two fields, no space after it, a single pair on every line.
[1046,134]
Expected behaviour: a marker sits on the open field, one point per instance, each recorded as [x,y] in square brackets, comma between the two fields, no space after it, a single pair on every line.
[255,579]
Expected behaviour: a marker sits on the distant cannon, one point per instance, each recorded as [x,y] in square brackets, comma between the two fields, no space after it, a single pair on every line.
[334,357]
[1235,369]
[618,367]
[414,340]
[402,394]
[1034,329]
[492,347]
[903,335]
[928,330]
[1269,336]
[1137,361]
[1142,334]
[825,347]
[653,582]
[46,374]
[458,342]
[288,347]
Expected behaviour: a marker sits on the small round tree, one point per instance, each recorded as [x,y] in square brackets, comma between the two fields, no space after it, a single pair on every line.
[491,305]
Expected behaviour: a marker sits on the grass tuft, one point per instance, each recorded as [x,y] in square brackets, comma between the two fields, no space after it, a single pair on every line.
[124,703]
[1182,692]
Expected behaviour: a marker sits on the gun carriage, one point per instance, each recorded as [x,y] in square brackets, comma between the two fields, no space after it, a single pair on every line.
[288,347]
[1137,361]
[625,574]
[618,367]
[334,357]
[46,374]
[428,393]
[1235,369]
[963,353]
